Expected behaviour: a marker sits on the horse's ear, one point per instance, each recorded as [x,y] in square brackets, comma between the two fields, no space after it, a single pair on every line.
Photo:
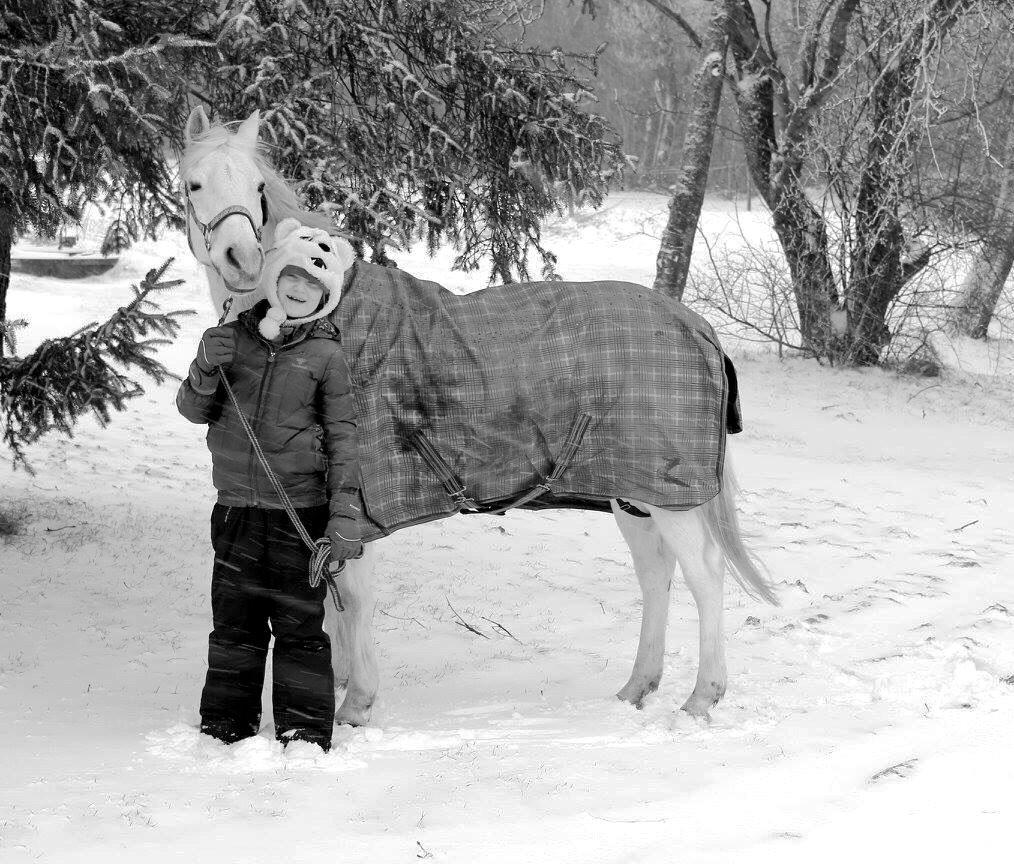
[197,124]
[248,130]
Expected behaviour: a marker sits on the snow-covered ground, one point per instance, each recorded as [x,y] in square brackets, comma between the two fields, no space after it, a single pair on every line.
[868,718]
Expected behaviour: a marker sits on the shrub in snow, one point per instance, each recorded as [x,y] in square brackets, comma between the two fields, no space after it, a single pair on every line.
[13,519]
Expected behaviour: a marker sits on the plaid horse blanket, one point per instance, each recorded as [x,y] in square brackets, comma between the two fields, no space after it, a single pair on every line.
[549,394]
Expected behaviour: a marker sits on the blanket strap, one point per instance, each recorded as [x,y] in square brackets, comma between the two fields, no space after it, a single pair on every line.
[451,482]
[567,454]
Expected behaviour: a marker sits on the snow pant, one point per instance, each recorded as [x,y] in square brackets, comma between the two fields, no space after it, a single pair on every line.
[260,578]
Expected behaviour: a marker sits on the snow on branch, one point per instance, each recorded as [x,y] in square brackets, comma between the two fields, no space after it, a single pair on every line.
[414,107]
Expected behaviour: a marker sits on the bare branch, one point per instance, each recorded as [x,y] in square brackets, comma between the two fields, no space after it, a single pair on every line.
[679,19]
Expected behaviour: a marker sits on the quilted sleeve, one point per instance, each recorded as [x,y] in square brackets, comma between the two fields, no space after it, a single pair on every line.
[199,398]
[339,422]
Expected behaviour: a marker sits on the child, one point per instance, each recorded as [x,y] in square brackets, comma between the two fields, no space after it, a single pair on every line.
[284,363]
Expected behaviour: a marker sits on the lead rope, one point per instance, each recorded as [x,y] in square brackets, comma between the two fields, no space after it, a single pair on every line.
[320,550]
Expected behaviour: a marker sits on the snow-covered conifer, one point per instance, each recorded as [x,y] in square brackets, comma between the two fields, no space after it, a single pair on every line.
[89,92]
[413,117]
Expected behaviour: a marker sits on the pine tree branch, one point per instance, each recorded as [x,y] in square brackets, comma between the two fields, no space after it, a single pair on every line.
[65,377]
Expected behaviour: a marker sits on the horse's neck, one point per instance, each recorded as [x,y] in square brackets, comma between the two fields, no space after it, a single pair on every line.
[219,294]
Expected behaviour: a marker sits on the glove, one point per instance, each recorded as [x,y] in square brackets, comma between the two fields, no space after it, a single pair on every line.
[344,534]
[217,348]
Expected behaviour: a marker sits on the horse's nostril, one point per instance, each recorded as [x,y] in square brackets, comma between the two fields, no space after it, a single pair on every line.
[230,256]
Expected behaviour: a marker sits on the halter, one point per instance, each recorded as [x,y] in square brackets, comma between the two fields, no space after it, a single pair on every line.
[208,227]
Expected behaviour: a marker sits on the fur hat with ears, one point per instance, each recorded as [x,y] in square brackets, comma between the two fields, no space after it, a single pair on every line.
[315,254]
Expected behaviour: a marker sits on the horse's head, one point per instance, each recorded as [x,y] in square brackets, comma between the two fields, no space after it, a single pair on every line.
[226,207]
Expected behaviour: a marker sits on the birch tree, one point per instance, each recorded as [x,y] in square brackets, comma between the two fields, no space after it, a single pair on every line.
[994,259]
[674,254]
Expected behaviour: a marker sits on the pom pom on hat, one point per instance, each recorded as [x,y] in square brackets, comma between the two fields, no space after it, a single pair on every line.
[271,324]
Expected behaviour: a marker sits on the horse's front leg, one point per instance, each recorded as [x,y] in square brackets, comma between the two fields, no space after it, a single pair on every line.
[354,654]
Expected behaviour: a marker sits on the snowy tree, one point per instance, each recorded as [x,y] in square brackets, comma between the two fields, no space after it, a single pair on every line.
[834,99]
[967,168]
[420,118]
[89,92]
[86,371]
[677,246]
[988,275]
[847,116]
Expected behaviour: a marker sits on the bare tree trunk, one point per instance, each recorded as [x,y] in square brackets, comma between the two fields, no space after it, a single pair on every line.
[877,271]
[645,163]
[985,281]
[673,262]
[877,265]
[773,149]
[661,156]
[775,144]
[802,233]
[983,286]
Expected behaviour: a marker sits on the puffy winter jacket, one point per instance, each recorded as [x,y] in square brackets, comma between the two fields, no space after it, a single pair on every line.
[298,399]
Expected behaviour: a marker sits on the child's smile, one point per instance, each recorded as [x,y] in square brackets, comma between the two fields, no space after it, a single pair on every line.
[298,295]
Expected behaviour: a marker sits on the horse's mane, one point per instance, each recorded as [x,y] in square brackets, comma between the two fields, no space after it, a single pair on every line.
[282,200]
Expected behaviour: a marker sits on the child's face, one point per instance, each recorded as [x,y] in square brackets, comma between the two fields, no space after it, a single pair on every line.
[298,295]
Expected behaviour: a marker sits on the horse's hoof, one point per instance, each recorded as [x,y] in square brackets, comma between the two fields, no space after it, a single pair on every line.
[354,719]
[636,693]
[353,715]
[699,705]
[697,708]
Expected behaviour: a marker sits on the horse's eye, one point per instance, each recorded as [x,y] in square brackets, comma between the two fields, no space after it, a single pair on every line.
[324,246]
[317,262]
[194,187]
[260,186]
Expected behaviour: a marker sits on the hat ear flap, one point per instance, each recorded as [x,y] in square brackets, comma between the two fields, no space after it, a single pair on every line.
[343,251]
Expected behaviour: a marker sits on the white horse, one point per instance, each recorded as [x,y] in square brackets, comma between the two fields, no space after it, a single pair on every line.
[234,200]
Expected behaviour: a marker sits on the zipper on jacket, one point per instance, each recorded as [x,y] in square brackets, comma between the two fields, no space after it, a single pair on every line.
[255,420]
[272,350]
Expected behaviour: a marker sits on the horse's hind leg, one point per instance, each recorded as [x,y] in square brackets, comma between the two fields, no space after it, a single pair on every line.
[355,641]
[654,564]
[703,566]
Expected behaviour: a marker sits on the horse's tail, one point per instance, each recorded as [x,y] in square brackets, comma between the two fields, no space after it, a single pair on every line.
[720,517]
